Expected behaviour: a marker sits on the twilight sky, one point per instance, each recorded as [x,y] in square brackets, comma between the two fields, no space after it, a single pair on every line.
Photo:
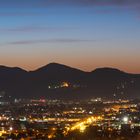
[85,34]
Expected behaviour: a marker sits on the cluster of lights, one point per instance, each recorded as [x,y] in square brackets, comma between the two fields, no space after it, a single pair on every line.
[62,85]
[82,125]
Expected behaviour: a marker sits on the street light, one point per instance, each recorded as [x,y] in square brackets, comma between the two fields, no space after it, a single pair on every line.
[125,119]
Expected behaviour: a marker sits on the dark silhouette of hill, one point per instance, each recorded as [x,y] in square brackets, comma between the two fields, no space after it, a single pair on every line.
[57,72]
[102,82]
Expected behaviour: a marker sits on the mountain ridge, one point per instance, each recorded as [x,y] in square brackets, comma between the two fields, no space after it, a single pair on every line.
[99,82]
[59,64]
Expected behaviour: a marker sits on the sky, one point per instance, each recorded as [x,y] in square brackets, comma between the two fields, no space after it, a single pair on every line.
[85,34]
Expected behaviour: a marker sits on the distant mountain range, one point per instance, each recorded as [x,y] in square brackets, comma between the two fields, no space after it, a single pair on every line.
[46,82]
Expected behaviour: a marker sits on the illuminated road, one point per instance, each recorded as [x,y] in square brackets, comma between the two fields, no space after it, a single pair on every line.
[81,126]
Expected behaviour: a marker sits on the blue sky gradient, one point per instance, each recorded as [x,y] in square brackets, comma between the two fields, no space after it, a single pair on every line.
[83,33]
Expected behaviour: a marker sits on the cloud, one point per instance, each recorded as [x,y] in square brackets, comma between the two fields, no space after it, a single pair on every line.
[18,3]
[33,29]
[131,5]
[94,2]
[16,14]
[38,3]
[27,42]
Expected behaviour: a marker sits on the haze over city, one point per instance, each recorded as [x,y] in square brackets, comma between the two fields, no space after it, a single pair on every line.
[81,34]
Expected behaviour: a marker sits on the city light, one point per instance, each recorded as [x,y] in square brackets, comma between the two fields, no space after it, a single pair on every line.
[82,128]
[11,128]
[73,119]
[125,119]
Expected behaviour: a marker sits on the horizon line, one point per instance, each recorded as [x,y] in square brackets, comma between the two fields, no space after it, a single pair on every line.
[3,65]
